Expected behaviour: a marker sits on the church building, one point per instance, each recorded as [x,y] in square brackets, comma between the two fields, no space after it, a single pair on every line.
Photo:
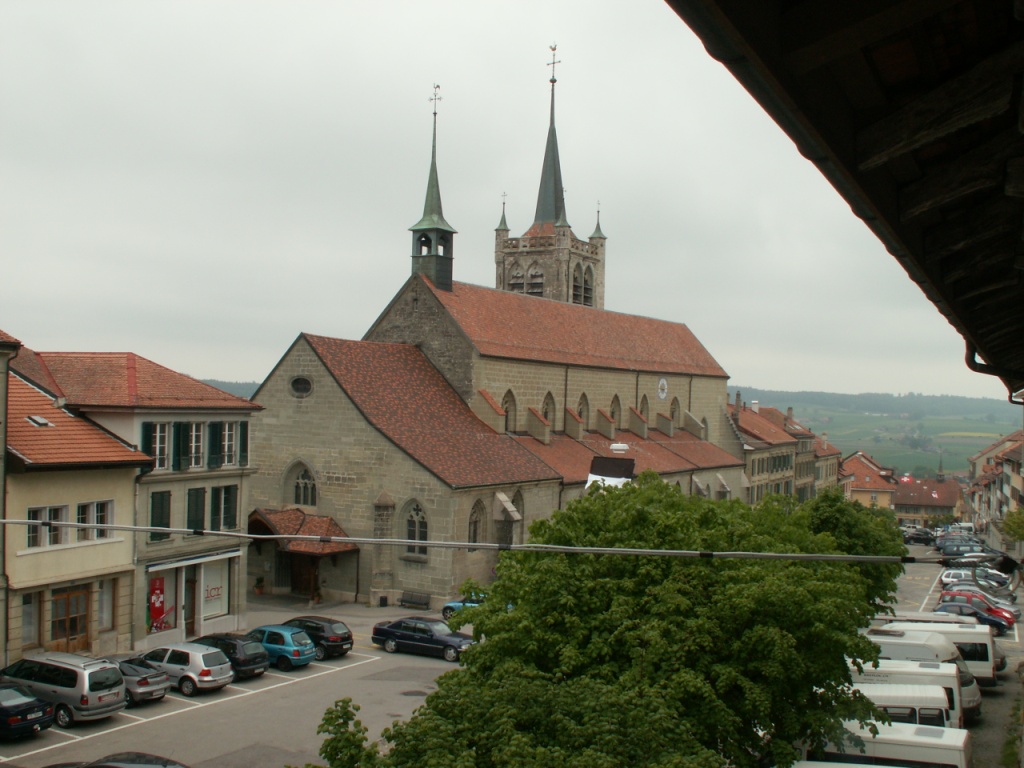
[466,413]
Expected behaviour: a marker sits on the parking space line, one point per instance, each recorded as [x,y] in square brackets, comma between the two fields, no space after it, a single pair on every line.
[198,704]
[132,716]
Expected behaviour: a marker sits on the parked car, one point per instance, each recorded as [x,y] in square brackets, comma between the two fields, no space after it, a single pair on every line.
[192,667]
[332,637]
[142,681]
[983,576]
[247,657]
[979,602]
[81,688]
[999,626]
[288,646]
[424,635]
[918,536]
[21,713]
[996,600]
[124,760]
[466,601]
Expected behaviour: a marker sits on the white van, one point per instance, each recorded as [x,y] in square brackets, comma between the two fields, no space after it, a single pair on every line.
[976,644]
[924,673]
[902,744]
[916,704]
[928,646]
[924,617]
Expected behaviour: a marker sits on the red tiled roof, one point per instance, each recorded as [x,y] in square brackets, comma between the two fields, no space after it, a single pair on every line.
[928,493]
[867,474]
[403,396]
[700,453]
[63,440]
[6,338]
[123,380]
[823,449]
[570,334]
[295,522]
[761,427]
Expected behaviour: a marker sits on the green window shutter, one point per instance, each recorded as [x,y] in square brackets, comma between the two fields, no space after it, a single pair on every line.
[216,495]
[243,443]
[213,453]
[196,509]
[179,444]
[147,438]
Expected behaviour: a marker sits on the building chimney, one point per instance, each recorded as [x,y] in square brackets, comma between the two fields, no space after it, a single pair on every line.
[755,406]
[789,413]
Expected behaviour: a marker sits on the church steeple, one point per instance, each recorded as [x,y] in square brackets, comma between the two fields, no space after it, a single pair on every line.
[550,198]
[432,236]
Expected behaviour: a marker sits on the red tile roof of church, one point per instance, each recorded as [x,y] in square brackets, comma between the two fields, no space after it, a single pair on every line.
[62,440]
[121,380]
[295,522]
[402,395]
[558,332]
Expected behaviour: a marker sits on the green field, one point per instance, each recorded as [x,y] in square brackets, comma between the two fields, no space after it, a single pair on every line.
[907,433]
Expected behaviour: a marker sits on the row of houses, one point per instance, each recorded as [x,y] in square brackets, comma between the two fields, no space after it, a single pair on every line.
[996,480]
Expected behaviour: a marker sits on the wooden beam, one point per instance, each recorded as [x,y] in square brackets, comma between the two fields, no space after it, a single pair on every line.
[983,92]
[995,217]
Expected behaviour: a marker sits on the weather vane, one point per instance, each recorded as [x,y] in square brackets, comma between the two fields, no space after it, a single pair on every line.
[553,47]
[435,98]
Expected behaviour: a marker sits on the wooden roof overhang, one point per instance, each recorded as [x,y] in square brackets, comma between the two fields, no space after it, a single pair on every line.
[912,110]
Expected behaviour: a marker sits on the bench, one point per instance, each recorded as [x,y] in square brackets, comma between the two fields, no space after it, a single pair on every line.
[415,600]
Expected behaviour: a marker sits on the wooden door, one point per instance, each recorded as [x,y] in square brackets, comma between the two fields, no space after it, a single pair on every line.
[69,623]
[303,575]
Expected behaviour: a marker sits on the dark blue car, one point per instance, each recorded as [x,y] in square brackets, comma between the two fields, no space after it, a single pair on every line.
[21,713]
[417,634]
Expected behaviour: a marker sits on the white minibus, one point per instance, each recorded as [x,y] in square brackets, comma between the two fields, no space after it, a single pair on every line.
[923,673]
[923,617]
[902,744]
[975,642]
[917,704]
[928,646]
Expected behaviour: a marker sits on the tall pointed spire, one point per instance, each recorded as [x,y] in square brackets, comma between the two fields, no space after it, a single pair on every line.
[432,235]
[550,198]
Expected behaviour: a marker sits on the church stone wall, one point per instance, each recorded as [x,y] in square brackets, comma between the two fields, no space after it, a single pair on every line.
[416,317]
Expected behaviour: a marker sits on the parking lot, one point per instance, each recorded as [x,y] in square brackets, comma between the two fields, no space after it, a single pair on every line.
[271,720]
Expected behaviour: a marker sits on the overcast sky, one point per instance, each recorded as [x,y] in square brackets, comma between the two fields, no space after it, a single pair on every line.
[199,182]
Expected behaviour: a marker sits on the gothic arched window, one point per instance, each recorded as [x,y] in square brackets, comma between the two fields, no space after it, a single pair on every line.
[615,411]
[548,409]
[583,411]
[508,405]
[644,408]
[535,280]
[674,411]
[476,517]
[577,285]
[415,529]
[588,287]
[516,280]
[305,488]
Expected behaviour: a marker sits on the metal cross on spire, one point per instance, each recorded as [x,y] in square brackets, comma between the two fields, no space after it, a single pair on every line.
[553,47]
[436,98]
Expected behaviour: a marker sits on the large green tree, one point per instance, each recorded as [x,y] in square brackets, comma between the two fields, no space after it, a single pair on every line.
[595,660]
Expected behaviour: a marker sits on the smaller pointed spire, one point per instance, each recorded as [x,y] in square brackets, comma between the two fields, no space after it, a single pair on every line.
[433,217]
[502,225]
[597,229]
[551,197]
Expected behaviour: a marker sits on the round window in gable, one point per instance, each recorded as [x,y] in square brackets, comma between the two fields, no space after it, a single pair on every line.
[301,386]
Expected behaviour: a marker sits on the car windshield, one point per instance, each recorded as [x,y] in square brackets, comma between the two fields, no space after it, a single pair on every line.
[214,659]
[105,679]
[301,638]
[249,648]
[12,697]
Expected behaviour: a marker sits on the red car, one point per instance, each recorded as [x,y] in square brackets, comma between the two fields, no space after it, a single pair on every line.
[979,602]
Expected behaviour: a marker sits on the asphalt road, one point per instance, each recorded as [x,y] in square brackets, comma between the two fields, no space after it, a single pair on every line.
[271,721]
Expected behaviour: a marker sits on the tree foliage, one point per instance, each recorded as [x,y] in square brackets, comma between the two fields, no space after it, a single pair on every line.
[1013,525]
[684,662]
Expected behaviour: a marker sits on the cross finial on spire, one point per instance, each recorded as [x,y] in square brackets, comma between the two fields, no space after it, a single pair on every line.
[553,47]
[435,98]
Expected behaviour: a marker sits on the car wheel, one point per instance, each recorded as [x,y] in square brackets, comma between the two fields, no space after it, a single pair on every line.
[284,663]
[321,652]
[447,612]
[450,653]
[187,686]
[390,645]
[62,716]
[129,699]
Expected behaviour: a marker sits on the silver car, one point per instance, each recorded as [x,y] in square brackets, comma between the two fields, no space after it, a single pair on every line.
[142,681]
[192,667]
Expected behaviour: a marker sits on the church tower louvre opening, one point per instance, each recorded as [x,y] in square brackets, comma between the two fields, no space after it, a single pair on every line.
[548,260]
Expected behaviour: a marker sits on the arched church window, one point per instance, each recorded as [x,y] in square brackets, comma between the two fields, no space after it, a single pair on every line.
[476,517]
[583,411]
[548,409]
[305,488]
[588,287]
[424,245]
[615,410]
[442,246]
[508,405]
[535,281]
[644,408]
[674,411]
[577,285]
[516,280]
[415,529]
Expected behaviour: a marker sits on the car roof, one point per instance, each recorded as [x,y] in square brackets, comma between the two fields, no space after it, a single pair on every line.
[278,628]
[192,647]
[314,618]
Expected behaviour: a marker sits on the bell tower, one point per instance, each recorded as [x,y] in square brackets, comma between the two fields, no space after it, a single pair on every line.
[549,260]
[432,236]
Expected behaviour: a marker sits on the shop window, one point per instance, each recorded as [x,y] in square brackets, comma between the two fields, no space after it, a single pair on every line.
[163,588]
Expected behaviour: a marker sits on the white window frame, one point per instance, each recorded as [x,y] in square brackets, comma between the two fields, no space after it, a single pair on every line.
[40,536]
[196,429]
[229,443]
[93,513]
[161,444]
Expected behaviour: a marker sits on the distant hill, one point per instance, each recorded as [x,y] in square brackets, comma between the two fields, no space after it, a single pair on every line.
[910,433]
[244,389]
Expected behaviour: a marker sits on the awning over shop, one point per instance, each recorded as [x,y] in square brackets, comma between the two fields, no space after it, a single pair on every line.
[295,522]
